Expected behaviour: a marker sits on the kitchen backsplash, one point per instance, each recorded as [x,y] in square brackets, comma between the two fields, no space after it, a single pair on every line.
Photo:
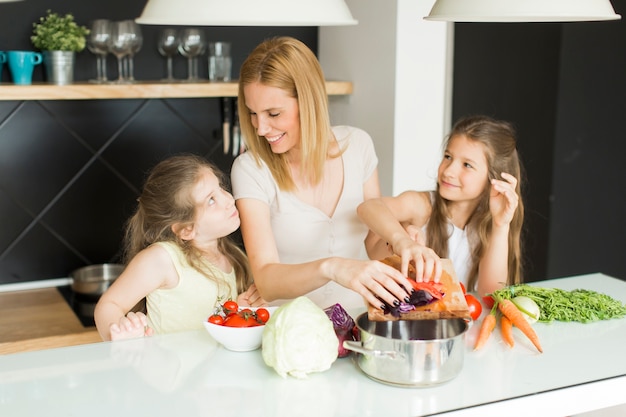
[70,173]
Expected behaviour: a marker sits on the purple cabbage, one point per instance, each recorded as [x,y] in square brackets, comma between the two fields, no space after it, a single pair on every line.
[344,325]
[418,298]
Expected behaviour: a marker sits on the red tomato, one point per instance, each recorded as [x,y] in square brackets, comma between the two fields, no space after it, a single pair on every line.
[262,314]
[230,307]
[241,320]
[488,300]
[216,319]
[475,308]
[463,288]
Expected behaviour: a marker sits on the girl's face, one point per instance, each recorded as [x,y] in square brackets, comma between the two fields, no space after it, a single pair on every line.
[463,171]
[274,115]
[216,214]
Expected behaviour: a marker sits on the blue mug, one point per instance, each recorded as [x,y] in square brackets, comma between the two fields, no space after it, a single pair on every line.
[3,59]
[21,65]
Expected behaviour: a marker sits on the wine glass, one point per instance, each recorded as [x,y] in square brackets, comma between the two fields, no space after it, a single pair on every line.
[97,43]
[192,45]
[136,41]
[119,45]
[168,47]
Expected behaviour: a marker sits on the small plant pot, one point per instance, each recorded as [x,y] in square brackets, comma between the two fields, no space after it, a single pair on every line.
[59,66]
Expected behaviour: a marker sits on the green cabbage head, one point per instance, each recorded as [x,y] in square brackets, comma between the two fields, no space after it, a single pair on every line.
[299,339]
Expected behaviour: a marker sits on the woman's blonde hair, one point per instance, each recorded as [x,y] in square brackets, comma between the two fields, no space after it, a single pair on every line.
[499,142]
[166,202]
[288,64]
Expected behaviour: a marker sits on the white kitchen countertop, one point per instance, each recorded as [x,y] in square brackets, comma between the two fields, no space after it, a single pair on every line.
[188,374]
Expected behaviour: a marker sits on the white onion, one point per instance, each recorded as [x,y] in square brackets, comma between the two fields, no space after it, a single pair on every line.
[529,305]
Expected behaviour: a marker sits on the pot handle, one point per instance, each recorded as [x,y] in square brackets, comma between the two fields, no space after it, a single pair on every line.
[358,348]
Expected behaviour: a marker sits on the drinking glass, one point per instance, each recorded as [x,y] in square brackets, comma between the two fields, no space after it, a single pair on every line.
[136,41]
[220,61]
[120,44]
[97,43]
[168,47]
[192,45]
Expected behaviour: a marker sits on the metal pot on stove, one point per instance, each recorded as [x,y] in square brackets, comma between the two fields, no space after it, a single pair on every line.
[410,353]
[93,280]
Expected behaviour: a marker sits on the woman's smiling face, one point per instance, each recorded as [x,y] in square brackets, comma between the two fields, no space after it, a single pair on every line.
[275,116]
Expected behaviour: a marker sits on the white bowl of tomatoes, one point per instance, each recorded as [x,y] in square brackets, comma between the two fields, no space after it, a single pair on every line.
[238,328]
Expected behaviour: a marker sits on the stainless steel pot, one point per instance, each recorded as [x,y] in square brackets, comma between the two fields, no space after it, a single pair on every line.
[410,353]
[95,279]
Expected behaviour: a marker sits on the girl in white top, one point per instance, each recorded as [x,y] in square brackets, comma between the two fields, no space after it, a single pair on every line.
[181,259]
[475,218]
[299,183]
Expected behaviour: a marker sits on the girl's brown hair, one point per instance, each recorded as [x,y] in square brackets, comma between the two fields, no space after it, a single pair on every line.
[288,64]
[499,142]
[165,201]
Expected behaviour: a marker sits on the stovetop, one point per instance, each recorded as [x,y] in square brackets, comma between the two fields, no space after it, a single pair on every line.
[82,305]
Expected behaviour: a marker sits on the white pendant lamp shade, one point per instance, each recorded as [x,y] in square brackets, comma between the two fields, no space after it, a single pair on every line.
[522,10]
[247,13]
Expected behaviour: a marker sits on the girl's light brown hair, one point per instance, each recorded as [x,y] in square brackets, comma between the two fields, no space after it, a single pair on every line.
[288,64]
[166,200]
[499,142]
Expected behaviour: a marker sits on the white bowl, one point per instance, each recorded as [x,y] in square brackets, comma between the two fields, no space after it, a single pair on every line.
[238,339]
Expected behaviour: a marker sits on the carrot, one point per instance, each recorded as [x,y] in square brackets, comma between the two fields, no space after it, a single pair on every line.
[512,313]
[506,327]
[489,323]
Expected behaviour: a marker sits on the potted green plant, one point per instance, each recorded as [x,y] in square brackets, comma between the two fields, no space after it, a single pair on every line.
[59,38]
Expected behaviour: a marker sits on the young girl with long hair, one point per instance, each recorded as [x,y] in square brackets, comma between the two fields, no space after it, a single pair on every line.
[475,216]
[179,256]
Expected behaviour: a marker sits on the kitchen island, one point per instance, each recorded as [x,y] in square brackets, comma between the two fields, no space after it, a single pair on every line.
[189,374]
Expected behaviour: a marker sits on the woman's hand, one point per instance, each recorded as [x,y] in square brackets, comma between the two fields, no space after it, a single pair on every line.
[251,298]
[374,280]
[131,326]
[503,199]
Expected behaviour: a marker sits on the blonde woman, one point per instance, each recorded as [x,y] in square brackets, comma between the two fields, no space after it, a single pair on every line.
[299,183]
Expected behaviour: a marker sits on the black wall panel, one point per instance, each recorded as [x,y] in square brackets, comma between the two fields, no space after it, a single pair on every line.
[563,85]
[510,72]
[588,227]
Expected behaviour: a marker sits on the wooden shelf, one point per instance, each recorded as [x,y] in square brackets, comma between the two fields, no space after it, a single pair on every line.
[144,90]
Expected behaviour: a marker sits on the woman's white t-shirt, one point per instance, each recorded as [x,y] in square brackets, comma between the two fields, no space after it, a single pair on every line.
[304,233]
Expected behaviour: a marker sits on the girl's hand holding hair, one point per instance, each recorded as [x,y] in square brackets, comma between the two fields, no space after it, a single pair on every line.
[503,199]
[131,326]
